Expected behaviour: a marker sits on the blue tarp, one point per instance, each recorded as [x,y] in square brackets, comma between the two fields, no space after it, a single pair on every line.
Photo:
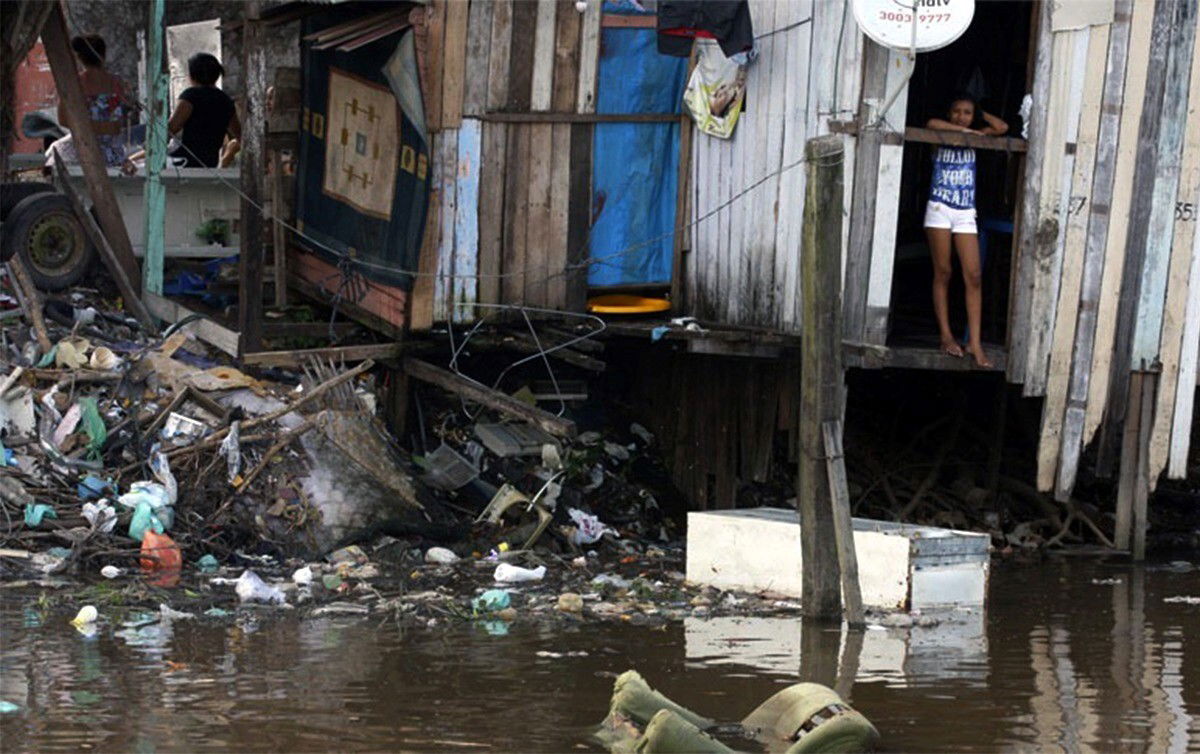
[635,165]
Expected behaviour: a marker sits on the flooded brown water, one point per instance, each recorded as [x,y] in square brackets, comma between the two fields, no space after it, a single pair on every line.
[1072,655]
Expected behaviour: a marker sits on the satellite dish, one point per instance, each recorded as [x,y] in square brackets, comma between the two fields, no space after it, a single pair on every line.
[890,22]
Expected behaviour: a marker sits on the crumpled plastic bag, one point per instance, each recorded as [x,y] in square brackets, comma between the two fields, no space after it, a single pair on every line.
[716,90]
[153,503]
[588,528]
[509,573]
[101,515]
[36,512]
[93,425]
[491,601]
[251,588]
[71,353]
[232,451]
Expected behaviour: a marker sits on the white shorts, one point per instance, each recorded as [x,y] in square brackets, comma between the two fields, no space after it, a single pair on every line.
[938,215]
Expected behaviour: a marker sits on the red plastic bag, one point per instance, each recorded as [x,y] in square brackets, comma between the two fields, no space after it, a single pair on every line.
[160,554]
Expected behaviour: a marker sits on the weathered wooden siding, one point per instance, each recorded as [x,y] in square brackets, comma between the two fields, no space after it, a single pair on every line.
[1107,275]
[747,192]
[509,199]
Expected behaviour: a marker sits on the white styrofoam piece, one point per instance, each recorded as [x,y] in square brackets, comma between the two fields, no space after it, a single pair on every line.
[900,567]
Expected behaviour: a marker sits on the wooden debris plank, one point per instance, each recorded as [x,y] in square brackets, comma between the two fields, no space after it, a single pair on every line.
[1144,349]
[835,465]
[477,70]
[466,220]
[444,164]
[1145,175]
[1185,390]
[887,206]
[789,207]
[212,333]
[1066,93]
[55,38]
[1074,241]
[520,61]
[454,66]
[338,354]
[560,197]
[1095,243]
[1023,265]
[539,218]
[498,54]
[435,47]
[542,75]
[1174,307]
[1136,73]
[566,57]
[738,213]
[493,399]
[491,211]
[589,59]
[579,217]
[866,178]
[765,301]
[420,314]
[516,211]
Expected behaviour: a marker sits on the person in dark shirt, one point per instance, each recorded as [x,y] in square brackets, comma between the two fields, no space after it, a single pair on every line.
[204,115]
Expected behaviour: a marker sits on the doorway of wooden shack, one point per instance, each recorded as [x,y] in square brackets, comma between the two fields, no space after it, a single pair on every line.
[992,61]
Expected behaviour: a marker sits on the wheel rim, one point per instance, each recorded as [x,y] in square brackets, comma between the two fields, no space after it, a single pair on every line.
[53,241]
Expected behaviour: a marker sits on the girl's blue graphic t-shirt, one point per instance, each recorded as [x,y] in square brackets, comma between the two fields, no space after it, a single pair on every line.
[953,177]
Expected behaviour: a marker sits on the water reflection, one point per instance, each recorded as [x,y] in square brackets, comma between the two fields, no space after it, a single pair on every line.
[1070,657]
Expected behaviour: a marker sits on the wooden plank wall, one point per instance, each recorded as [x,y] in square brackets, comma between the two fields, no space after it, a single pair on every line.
[512,197]
[1107,280]
[746,192]
[721,427]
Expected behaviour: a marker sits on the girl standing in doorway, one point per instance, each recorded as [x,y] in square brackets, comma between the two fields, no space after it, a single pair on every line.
[950,221]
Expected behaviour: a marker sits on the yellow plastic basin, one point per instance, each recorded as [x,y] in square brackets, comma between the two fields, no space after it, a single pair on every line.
[624,303]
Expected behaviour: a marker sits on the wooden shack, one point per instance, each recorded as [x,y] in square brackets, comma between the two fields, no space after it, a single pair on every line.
[534,109]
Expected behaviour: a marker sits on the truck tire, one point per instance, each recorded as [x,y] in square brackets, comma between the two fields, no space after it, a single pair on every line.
[12,192]
[44,230]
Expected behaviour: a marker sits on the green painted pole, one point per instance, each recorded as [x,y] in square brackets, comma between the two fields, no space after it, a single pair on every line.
[156,152]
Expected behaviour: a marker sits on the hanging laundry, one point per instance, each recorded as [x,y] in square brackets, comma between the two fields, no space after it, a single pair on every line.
[716,90]
[681,21]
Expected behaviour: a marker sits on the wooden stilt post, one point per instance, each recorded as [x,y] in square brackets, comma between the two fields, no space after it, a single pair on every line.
[104,201]
[820,372]
[250,261]
[155,196]
[1133,486]
[1129,459]
[839,493]
[1141,489]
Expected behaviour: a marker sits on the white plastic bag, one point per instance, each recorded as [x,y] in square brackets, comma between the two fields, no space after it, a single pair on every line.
[716,90]
[251,588]
[506,573]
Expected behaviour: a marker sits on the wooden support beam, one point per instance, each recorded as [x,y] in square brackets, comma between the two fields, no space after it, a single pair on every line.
[493,399]
[250,260]
[154,193]
[125,284]
[56,40]
[31,300]
[944,138]
[820,372]
[835,467]
[336,353]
